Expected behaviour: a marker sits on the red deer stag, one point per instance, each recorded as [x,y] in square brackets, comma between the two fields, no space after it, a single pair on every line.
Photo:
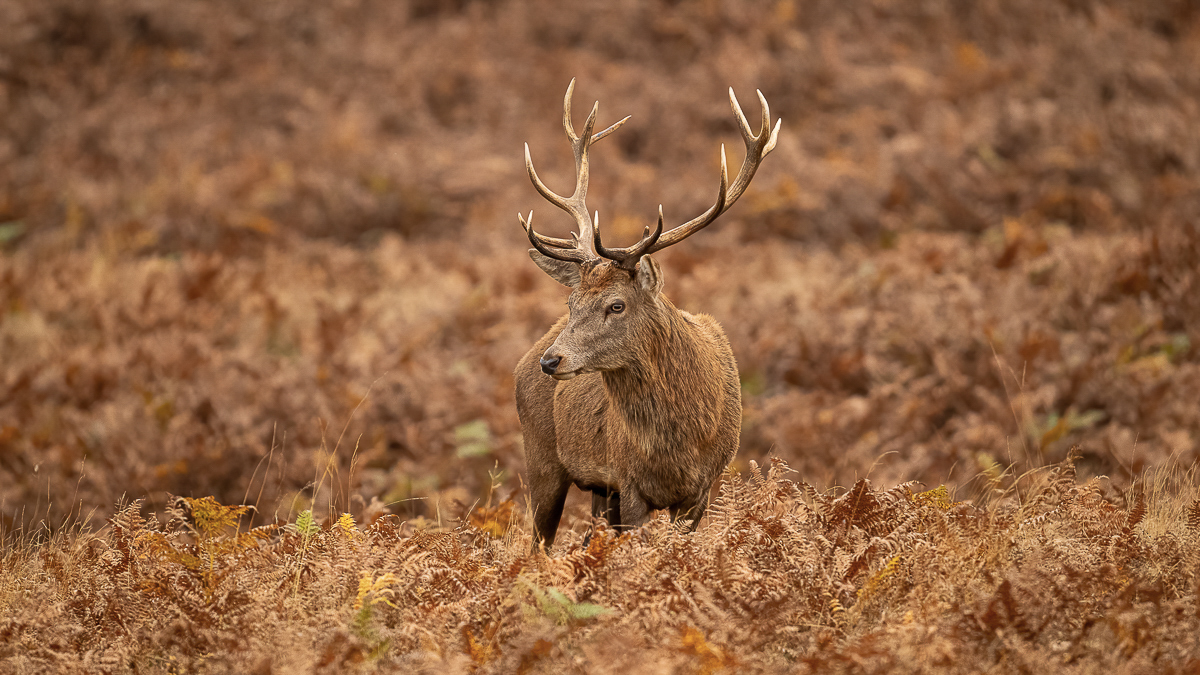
[627,396]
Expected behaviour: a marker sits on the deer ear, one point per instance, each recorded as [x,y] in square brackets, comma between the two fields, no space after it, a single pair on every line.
[649,275]
[565,273]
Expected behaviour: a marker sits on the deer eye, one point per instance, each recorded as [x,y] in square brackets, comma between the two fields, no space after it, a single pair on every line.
[616,308]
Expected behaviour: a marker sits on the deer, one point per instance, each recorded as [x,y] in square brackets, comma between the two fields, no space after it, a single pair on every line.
[627,396]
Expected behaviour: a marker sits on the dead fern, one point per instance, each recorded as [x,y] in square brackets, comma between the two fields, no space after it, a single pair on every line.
[764,585]
[859,507]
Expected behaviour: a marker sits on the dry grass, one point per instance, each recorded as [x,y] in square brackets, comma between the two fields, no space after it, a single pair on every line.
[1053,575]
[266,252]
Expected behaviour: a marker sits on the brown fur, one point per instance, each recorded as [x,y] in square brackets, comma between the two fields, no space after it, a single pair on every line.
[654,414]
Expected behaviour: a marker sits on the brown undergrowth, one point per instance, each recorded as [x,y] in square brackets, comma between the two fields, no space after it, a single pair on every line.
[233,235]
[1049,573]
[266,252]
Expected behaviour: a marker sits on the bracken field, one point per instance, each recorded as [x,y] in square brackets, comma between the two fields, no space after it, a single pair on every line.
[262,290]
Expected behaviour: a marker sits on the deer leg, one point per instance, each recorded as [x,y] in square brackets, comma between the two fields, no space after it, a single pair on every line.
[694,510]
[634,512]
[606,505]
[548,496]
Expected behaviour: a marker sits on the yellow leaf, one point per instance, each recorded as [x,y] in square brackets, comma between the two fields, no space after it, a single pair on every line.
[938,497]
[694,642]
[879,578]
[495,521]
[347,525]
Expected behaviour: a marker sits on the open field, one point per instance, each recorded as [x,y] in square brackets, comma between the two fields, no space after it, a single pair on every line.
[267,252]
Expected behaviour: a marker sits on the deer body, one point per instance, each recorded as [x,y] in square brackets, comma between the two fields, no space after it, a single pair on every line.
[642,405]
[653,435]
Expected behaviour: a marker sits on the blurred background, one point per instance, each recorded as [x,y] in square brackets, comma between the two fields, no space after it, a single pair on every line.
[268,251]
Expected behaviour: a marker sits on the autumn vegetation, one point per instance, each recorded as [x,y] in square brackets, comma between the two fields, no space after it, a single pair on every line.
[262,290]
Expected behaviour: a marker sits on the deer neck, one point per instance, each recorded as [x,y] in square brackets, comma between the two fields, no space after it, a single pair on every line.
[666,396]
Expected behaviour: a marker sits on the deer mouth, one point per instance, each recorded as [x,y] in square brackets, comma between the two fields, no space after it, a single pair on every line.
[566,376]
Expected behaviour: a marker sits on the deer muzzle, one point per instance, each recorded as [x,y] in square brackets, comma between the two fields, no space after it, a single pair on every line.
[550,364]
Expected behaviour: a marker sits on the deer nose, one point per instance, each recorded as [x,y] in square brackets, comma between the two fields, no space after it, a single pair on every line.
[549,365]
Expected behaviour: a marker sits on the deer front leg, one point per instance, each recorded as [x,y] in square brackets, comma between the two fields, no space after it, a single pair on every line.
[693,509]
[549,493]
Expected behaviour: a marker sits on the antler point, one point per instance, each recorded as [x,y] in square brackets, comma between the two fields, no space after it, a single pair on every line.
[774,137]
[766,112]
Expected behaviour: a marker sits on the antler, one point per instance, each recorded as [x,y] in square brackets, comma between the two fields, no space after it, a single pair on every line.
[580,247]
[757,147]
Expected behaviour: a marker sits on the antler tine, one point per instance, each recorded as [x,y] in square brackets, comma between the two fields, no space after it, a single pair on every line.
[597,136]
[567,118]
[553,247]
[527,223]
[575,205]
[549,195]
[567,112]
[758,146]
[766,122]
[628,257]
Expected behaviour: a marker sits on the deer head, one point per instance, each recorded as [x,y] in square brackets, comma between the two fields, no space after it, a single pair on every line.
[615,299]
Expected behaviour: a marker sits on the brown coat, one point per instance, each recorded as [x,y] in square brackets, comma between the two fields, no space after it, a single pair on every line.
[654,432]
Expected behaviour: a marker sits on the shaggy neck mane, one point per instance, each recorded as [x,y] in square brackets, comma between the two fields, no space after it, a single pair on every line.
[647,393]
